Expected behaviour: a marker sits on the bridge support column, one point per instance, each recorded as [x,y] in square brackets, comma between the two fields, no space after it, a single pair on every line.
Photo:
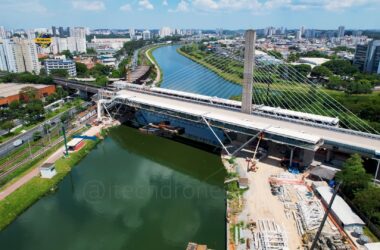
[249,62]
[100,110]
[308,157]
[377,170]
[291,156]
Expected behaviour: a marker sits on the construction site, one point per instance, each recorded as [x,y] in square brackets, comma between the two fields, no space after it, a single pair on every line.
[272,206]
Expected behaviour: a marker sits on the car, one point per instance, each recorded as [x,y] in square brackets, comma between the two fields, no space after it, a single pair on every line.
[18,142]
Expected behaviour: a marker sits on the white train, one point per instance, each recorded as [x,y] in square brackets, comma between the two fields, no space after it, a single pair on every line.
[216,101]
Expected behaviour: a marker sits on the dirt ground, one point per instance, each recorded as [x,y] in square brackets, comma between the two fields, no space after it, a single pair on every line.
[261,204]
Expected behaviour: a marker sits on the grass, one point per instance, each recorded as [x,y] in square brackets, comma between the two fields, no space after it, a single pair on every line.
[17,202]
[150,55]
[370,235]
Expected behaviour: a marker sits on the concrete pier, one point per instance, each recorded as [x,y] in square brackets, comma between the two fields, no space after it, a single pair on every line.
[249,62]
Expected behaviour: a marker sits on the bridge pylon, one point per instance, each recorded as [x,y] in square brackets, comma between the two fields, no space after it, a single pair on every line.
[249,63]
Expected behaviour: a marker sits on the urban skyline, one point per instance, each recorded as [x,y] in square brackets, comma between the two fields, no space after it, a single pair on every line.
[206,14]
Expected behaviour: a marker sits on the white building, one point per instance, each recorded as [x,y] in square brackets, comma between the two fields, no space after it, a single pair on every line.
[79,35]
[19,55]
[3,33]
[48,171]
[165,31]
[115,43]
[146,35]
[69,65]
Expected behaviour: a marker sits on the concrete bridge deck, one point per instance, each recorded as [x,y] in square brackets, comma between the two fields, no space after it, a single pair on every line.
[349,142]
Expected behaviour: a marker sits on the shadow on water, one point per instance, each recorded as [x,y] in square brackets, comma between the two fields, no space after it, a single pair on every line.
[187,159]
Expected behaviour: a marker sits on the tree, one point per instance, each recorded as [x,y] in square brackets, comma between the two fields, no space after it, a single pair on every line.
[276,54]
[100,70]
[28,93]
[101,80]
[368,201]
[37,135]
[68,54]
[81,68]
[341,67]
[65,117]
[59,73]
[91,51]
[7,125]
[34,111]
[353,176]
[334,83]
[293,57]
[303,69]
[359,87]
[321,72]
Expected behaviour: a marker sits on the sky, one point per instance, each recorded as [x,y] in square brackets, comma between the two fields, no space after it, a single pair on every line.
[198,14]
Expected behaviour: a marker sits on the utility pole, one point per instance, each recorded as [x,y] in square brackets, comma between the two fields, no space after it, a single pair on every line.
[65,140]
[249,62]
[325,217]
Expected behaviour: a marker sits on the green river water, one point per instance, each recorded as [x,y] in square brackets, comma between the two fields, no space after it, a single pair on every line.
[133,191]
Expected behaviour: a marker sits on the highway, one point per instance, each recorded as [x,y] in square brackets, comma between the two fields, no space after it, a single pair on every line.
[7,146]
[368,145]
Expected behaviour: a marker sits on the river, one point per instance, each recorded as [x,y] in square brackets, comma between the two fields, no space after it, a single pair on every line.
[181,73]
[133,191]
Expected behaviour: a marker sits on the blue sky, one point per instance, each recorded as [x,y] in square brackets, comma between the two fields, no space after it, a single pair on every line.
[228,14]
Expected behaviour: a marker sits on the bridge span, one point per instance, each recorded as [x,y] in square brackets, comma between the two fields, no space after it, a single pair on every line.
[281,131]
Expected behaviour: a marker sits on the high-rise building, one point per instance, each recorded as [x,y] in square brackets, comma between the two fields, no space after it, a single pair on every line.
[298,35]
[7,56]
[54,31]
[68,65]
[367,57]
[132,33]
[165,31]
[302,30]
[79,33]
[3,33]
[341,31]
[146,35]
[19,55]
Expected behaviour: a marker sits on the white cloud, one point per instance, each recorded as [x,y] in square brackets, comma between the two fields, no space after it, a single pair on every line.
[165,3]
[126,7]
[145,4]
[88,5]
[182,6]
[23,6]
[265,5]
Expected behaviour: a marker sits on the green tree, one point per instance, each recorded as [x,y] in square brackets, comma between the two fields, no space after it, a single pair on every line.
[101,80]
[65,117]
[359,87]
[81,68]
[34,111]
[321,72]
[28,94]
[303,69]
[100,70]
[341,67]
[276,54]
[68,54]
[59,73]
[293,57]
[353,176]
[334,83]
[368,201]
[7,125]
[91,51]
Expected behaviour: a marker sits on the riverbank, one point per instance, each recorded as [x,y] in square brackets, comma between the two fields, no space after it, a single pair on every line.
[27,190]
[149,55]
[233,78]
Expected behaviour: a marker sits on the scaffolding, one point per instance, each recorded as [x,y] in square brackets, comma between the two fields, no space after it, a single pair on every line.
[270,236]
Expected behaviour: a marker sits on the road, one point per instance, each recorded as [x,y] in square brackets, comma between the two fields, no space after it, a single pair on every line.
[7,146]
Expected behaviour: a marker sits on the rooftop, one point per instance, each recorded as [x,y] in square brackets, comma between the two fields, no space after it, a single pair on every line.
[340,208]
[10,89]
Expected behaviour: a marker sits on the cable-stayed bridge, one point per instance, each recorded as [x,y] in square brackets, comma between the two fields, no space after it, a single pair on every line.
[287,107]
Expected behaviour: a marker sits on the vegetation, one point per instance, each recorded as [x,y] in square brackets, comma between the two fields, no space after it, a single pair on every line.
[26,78]
[25,196]
[358,187]
[59,73]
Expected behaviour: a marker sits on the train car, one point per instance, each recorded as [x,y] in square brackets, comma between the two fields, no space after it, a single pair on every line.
[236,105]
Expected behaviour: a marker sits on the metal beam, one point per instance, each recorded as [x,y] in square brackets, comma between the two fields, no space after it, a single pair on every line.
[246,143]
[216,136]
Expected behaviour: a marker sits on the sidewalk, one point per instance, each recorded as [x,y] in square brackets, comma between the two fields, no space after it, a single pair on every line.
[36,171]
